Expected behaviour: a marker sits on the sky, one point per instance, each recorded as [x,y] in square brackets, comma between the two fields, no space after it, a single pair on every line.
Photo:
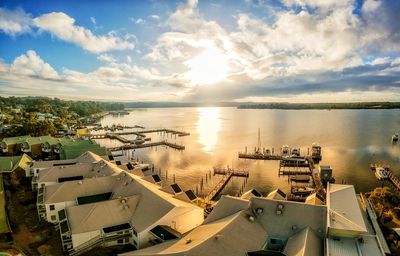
[201,51]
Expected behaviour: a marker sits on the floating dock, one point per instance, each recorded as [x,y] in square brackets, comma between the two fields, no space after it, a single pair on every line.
[394,180]
[228,174]
[148,145]
[259,156]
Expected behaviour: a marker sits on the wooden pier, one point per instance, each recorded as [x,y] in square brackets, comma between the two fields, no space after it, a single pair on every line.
[394,180]
[390,175]
[260,156]
[147,145]
[289,172]
[227,175]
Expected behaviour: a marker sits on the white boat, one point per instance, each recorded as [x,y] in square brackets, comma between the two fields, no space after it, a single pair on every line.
[301,191]
[139,140]
[295,152]
[395,137]
[285,150]
[381,173]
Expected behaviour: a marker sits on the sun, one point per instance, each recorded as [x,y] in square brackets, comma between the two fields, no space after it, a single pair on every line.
[208,67]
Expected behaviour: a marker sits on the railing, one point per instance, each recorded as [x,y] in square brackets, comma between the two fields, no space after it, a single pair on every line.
[94,242]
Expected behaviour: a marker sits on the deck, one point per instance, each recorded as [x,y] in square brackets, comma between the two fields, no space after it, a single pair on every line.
[148,145]
[227,175]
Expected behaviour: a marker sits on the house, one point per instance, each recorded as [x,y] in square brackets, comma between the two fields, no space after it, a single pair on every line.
[274,226]
[130,213]
[12,145]
[35,146]
[37,166]
[76,172]
[69,148]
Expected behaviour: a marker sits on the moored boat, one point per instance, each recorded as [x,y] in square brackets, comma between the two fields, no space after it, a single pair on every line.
[381,173]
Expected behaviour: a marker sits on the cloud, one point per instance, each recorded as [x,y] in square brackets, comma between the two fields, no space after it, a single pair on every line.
[63,27]
[137,21]
[106,58]
[93,20]
[154,17]
[30,64]
[14,22]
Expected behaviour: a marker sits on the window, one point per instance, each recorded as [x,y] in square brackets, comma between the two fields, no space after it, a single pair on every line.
[134,232]
[120,241]
[52,207]
[53,217]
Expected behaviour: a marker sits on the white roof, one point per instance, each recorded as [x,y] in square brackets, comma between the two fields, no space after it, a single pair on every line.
[276,194]
[313,199]
[71,190]
[87,170]
[304,243]
[150,205]
[232,235]
[251,193]
[87,157]
[343,208]
[95,216]
[229,229]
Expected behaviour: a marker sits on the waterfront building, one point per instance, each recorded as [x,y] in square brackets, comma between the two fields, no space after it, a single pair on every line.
[12,145]
[48,147]
[274,226]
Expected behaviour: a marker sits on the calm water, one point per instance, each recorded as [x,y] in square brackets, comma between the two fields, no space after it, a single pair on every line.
[350,140]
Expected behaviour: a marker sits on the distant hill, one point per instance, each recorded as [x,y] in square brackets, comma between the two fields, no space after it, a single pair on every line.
[355,105]
[178,104]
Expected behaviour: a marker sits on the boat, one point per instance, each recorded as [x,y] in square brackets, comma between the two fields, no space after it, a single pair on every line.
[302,191]
[300,178]
[285,150]
[139,140]
[381,173]
[316,152]
[395,137]
[296,152]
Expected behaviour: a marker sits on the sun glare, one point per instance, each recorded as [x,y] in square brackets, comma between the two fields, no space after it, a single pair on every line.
[208,67]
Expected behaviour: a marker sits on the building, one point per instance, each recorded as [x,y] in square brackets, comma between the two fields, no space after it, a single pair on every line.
[275,226]
[69,148]
[12,145]
[75,172]
[96,203]
[37,166]
[137,210]
[47,147]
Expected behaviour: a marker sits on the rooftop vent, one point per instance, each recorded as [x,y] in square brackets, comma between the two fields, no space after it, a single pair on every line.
[259,210]
[188,241]
[278,212]
[251,218]
[80,182]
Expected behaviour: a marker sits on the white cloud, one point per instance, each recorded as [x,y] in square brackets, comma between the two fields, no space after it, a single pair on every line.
[137,21]
[154,17]
[93,20]
[321,4]
[63,26]
[382,60]
[14,22]
[30,64]
[106,58]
